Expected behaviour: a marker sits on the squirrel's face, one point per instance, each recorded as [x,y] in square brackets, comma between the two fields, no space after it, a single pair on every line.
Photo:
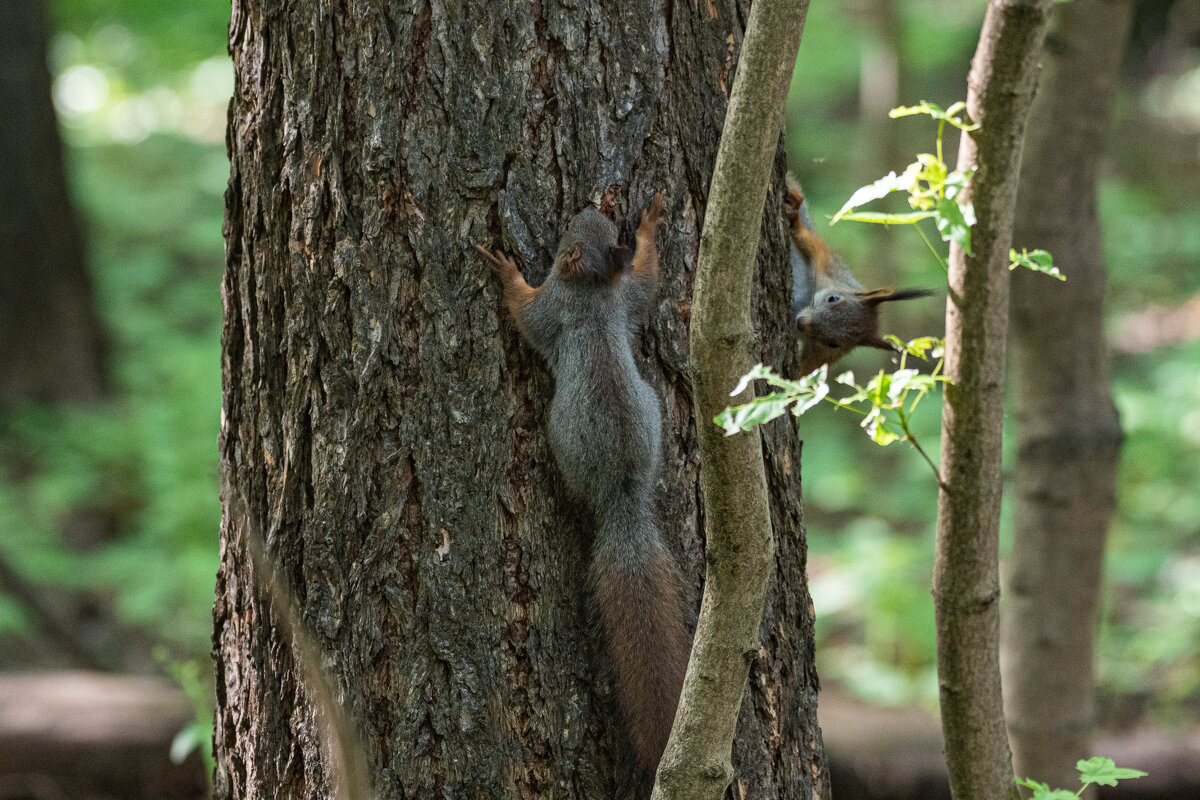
[838,318]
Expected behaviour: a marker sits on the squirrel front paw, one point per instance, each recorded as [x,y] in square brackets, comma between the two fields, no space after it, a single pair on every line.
[652,216]
[501,264]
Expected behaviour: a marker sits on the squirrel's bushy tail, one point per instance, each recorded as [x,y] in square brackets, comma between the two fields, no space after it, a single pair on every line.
[639,594]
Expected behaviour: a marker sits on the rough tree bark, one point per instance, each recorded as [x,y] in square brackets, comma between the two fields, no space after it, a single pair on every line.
[966,583]
[53,344]
[1068,433]
[739,548]
[387,428]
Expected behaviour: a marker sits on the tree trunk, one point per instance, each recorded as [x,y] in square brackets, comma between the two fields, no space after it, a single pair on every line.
[53,346]
[386,426]
[966,583]
[1068,433]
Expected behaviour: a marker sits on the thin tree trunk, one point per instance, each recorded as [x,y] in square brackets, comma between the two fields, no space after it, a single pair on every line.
[386,426]
[966,582]
[53,345]
[739,549]
[1069,436]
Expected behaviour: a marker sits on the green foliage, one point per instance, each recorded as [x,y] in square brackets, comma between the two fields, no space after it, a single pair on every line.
[886,402]
[1099,771]
[875,618]
[144,462]
[934,190]
[145,39]
[1036,260]
[191,675]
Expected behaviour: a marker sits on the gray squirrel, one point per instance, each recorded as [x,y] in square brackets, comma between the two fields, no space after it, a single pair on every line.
[833,312]
[605,431]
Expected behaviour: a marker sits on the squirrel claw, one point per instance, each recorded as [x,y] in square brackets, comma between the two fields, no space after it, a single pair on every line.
[652,216]
[792,200]
[500,263]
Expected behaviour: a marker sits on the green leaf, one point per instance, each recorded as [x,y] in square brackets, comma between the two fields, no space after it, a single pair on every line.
[954,222]
[818,394]
[924,107]
[187,740]
[956,183]
[949,115]
[881,188]
[1104,772]
[756,372]
[902,381]
[1036,260]
[876,426]
[756,412]
[919,347]
[1054,794]
[880,218]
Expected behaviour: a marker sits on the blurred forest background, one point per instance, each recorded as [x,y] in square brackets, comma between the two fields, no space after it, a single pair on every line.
[109,509]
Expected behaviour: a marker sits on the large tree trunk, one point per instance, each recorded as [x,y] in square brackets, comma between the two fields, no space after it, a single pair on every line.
[1068,433]
[53,346]
[387,428]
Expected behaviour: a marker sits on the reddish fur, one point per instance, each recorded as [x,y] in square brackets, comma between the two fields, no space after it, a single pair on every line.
[645,261]
[811,246]
[517,293]
[642,614]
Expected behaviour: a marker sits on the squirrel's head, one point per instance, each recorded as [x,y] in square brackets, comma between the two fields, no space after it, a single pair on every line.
[843,318]
[589,251]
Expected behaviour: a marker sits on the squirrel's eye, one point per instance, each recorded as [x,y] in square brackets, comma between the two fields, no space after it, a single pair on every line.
[833,298]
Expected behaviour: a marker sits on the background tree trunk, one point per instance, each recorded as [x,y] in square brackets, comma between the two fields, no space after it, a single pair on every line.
[387,428]
[1069,436]
[966,580]
[53,345]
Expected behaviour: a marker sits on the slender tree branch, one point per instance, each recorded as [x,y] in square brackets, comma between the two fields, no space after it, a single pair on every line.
[739,545]
[966,570]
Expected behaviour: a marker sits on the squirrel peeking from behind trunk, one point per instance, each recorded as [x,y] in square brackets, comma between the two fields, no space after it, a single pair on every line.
[605,430]
[833,312]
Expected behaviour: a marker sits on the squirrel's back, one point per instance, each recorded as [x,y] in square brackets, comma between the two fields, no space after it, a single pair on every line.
[605,430]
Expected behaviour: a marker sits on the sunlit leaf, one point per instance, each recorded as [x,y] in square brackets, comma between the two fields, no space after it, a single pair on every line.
[949,115]
[1036,260]
[756,372]
[819,393]
[876,426]
[1104,772]
[880,188]
[881,218]
[953,224]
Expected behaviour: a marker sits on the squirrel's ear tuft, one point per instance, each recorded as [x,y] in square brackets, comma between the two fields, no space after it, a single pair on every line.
[569,265]
[875,296]
[620,260]
[887,295]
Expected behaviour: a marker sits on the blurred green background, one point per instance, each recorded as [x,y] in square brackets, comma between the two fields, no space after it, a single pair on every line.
[141,89]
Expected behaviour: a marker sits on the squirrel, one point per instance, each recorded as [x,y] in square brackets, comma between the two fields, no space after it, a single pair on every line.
[605,431]
[833,312]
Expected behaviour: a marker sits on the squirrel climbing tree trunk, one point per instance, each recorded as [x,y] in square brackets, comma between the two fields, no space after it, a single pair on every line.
[386,426]
[1068,434]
